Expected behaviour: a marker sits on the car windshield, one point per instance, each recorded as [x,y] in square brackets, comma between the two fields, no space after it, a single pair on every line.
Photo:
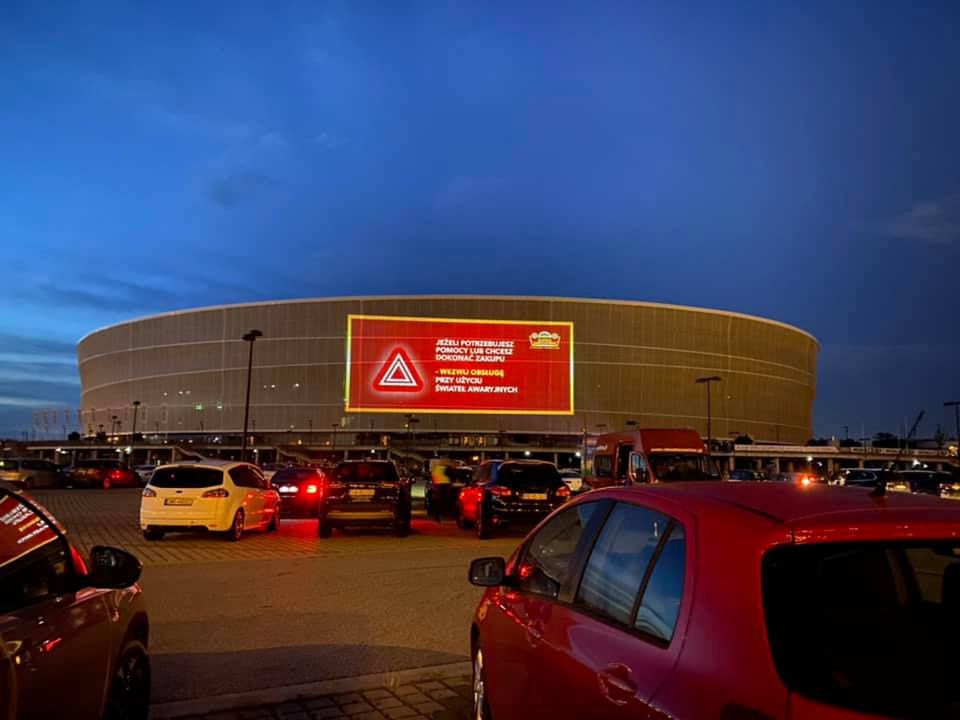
[871,627]
[523,474]
[681,467]
[9,465]
[366,472]
[295,475]
[186,477]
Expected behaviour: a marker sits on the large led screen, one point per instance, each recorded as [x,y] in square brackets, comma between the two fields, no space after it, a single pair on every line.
[441,365]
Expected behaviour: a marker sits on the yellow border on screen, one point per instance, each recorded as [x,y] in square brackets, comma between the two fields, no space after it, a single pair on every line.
[411,318]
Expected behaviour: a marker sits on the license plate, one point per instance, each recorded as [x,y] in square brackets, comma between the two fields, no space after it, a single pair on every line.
[178,501]
[533,496]
[362,493]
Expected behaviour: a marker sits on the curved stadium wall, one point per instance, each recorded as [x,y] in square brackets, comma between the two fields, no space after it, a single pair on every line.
[632,362]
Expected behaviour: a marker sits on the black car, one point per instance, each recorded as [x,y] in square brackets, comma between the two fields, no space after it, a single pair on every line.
[747,475]
[510,492]
[928,482]
[364,493]
[299,489]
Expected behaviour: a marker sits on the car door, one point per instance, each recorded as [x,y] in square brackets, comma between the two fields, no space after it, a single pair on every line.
[58,637]
[245,479]
[613,642]
[471,496]
[269,497]
[513,635]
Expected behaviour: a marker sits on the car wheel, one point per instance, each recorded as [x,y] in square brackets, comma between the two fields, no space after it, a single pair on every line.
[481,709]
[130,688]
[152,534]
[275,520]
[323,529]
[462,522]
[484,531]
[402,527]
[236,529]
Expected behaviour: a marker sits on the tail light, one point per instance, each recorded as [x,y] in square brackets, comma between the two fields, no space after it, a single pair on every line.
[218,493]
[563,492]
[500,491]
[149,492]
[805,480]
[388,485]
[115,474]
[312,489]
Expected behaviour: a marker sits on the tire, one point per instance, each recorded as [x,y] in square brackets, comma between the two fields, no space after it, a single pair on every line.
[402,527]
[275,520]
[236,528]
[323,529]
[462,522]
[481,708]
[129,697]
[484,531]
[152,534]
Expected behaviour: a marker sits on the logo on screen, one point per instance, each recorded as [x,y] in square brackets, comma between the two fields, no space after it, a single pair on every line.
[398,374]
[544,340]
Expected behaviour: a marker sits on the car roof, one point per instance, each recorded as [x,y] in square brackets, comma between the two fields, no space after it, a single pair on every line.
[221,464]
[790,504]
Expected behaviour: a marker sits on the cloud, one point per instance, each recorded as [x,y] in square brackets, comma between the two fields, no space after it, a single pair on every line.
[238,188]
[936,222]
[33,345]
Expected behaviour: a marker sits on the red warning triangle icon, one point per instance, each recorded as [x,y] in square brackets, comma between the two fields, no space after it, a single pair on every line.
[398,374]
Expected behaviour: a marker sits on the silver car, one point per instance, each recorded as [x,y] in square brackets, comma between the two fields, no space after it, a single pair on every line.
[29,473]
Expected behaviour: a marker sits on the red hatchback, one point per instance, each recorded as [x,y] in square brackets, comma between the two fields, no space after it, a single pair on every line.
[725,600]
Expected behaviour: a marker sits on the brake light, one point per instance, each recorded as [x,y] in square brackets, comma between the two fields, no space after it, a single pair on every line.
[116,474]
[218,493]
[388,484]
[312,489]
[805,480]
[149,492]
[500,491]
[563,492]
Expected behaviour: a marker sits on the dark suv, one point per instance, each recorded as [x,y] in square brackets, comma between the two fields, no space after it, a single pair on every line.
[364,493]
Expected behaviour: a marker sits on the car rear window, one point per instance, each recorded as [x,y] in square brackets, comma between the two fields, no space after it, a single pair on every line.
[294,475]
[9,465]
[186,477]
[871,627]
[98,464]
[523,475]
[366,472]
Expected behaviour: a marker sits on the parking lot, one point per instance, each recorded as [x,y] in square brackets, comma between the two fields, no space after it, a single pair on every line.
[285,608]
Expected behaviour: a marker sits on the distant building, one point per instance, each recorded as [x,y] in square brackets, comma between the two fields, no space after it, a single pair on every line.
[468,374]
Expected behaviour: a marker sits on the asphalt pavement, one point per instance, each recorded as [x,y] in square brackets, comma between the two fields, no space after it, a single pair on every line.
[287,608]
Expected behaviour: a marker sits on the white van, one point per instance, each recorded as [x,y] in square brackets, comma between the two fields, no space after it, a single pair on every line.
[214,495]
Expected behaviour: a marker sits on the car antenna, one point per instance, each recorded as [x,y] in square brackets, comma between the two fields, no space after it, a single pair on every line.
[881,489]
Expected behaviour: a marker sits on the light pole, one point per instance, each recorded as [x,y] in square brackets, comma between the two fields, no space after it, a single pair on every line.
[251,338]
[707,381]
[334,427]
[955,404]
[133,433]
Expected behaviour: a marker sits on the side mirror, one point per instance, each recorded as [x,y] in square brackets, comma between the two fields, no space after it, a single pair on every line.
[637,470]
[113,568]
[488,572]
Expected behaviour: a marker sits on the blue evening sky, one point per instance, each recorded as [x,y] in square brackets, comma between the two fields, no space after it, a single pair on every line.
[792,160]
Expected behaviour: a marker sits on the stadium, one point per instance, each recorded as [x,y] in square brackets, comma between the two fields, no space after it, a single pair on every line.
[453,372]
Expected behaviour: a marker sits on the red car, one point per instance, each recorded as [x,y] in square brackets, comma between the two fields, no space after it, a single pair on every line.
[510,492]
[739,601]
[102,473]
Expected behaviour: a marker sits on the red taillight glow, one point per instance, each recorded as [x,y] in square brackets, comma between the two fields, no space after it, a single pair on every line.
[149,492]
[805,480]
[500,491]
[116,474]
[563,492]
[312,489]
[525,571]
[218,493]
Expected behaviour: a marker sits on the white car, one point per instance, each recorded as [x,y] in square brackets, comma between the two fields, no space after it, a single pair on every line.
[573,479]
[145,472]
[215,495]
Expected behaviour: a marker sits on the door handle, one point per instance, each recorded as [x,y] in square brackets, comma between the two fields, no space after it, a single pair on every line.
[616,684]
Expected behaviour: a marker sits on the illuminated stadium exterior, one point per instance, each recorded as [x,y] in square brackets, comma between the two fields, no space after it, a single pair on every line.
[456,371]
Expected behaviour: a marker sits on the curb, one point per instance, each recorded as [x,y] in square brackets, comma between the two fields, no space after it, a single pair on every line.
[277,695]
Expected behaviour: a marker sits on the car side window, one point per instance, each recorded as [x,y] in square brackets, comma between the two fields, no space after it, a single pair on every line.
[660,603]
[260,480]
[34,564]
[242,476]
[550,554]
[619,560]
[603,465]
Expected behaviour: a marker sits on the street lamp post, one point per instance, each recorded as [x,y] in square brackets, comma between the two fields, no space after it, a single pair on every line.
[250,337]
[334,427]
[955,404]
[133,433]
[707,381]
